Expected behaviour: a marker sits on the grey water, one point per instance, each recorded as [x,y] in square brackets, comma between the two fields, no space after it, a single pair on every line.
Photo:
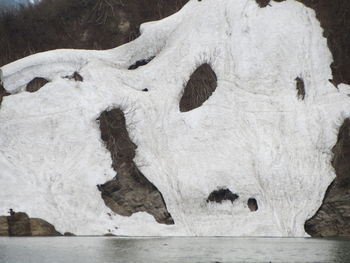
[172,249]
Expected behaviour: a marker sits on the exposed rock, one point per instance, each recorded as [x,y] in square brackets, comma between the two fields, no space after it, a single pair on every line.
[75,76]
[140,63]
[19,224]
[4,226]
[40,227]
[252,204]
[130,191]
[334,17]
[3,93]
[199,88]
[221,195]
[300,86]
[333,217]
[36,84]
[263,3]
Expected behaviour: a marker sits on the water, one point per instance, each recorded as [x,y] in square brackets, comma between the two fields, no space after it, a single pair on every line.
[182,250]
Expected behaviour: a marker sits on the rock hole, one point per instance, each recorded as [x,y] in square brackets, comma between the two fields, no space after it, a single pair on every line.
[141,63]
[129,191]
[300,86]
[199,88]
[36,84]
[252,204]
[222,195]
[145,90]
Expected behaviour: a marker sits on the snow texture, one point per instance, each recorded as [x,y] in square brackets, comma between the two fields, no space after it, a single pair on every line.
[252,136]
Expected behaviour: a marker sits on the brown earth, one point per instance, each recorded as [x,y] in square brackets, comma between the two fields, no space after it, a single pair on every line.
[130,191]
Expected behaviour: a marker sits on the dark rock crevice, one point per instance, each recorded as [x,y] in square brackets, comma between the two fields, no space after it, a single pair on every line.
[221,195]
[199,88]
[333,217]
[20,224]
[130,191]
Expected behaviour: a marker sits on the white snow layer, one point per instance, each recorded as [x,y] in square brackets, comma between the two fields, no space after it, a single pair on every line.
[252,135]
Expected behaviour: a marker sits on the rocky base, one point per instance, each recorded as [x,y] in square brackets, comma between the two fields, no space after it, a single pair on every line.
[19,224]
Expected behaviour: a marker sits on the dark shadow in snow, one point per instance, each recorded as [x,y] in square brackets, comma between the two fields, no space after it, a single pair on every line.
[129,191]
[36,84]
[140,63]
[221,195]
[199,88]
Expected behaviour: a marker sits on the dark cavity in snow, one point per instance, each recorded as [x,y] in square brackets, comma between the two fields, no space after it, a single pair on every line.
[222,195]
[199,88]
[252,204]
[35,84]
[333,217]
[140,63]
[300,86]
[129,191]
[75,76]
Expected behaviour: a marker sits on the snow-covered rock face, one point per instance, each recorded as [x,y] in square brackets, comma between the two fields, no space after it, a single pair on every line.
[252,136]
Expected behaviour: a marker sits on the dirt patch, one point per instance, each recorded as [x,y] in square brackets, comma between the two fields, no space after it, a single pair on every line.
[130,191]
[199,88]
[221,195]
[36,84]
[333,217]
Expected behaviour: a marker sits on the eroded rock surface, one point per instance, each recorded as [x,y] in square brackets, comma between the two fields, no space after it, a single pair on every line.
[199,88]
[333,217]
[19,224]
[130,191]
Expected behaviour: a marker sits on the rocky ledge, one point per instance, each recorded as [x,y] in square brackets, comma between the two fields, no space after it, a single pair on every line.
[20,224]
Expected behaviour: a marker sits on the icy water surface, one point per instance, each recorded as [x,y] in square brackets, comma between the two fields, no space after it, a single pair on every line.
[182,250]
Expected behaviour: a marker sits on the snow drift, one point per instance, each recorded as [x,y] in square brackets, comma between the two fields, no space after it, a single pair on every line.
[253,135]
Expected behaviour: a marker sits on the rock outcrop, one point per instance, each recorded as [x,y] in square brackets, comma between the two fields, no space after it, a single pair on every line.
[333,217]
[19,224]
[130,191]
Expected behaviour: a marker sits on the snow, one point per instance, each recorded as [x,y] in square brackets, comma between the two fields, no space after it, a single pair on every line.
[252,136]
